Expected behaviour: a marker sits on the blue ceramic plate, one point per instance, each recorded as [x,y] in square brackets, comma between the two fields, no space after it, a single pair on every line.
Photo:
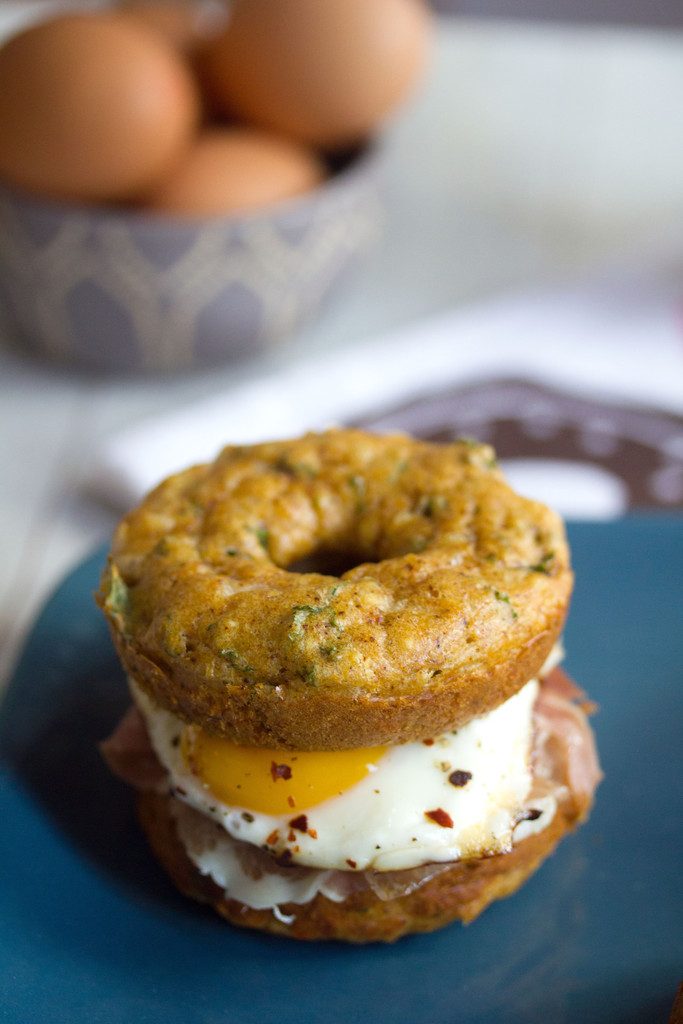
[90,931]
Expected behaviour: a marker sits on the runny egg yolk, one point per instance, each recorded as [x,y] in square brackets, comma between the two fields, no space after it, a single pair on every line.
[274,781]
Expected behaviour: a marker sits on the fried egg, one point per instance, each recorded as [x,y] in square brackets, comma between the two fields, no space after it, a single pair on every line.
[455,796]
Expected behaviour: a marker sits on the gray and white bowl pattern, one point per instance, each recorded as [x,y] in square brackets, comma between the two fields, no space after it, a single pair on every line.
[127,291]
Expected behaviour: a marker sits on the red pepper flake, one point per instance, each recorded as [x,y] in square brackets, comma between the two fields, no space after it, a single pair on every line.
[459,777]
[291,801]
[352,864]
[291,836]
[300,823]
[428,743]
[312,833]
[280,771]
[273,837]
[440,817]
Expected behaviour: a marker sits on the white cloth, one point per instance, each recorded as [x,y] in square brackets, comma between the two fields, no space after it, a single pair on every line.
[619,339]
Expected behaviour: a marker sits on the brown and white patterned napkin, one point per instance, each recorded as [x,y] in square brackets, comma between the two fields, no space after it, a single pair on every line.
[596,457]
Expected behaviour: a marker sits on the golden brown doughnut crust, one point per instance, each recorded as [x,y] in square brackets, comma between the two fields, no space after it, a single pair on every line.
[460,893]
[458,591]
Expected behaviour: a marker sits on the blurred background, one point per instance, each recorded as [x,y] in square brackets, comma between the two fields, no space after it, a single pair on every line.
[668,13]
[458,219]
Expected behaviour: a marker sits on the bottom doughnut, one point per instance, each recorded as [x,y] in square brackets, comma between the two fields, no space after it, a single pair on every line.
[461,892]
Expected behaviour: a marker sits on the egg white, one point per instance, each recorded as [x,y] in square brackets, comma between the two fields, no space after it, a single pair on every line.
[382,823]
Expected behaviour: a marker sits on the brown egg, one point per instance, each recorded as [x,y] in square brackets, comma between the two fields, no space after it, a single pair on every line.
[185,23]
[232,170]
[324,72]
[92,107]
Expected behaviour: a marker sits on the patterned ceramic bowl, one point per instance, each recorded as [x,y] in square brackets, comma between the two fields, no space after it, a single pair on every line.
[122,290]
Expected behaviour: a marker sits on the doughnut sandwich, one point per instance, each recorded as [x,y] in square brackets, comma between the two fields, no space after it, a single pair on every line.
[349,719]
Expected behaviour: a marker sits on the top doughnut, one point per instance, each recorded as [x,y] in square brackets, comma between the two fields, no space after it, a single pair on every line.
[449,594]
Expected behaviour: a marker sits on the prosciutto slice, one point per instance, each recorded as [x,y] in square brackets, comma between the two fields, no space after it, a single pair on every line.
[129,753]
[564,748]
